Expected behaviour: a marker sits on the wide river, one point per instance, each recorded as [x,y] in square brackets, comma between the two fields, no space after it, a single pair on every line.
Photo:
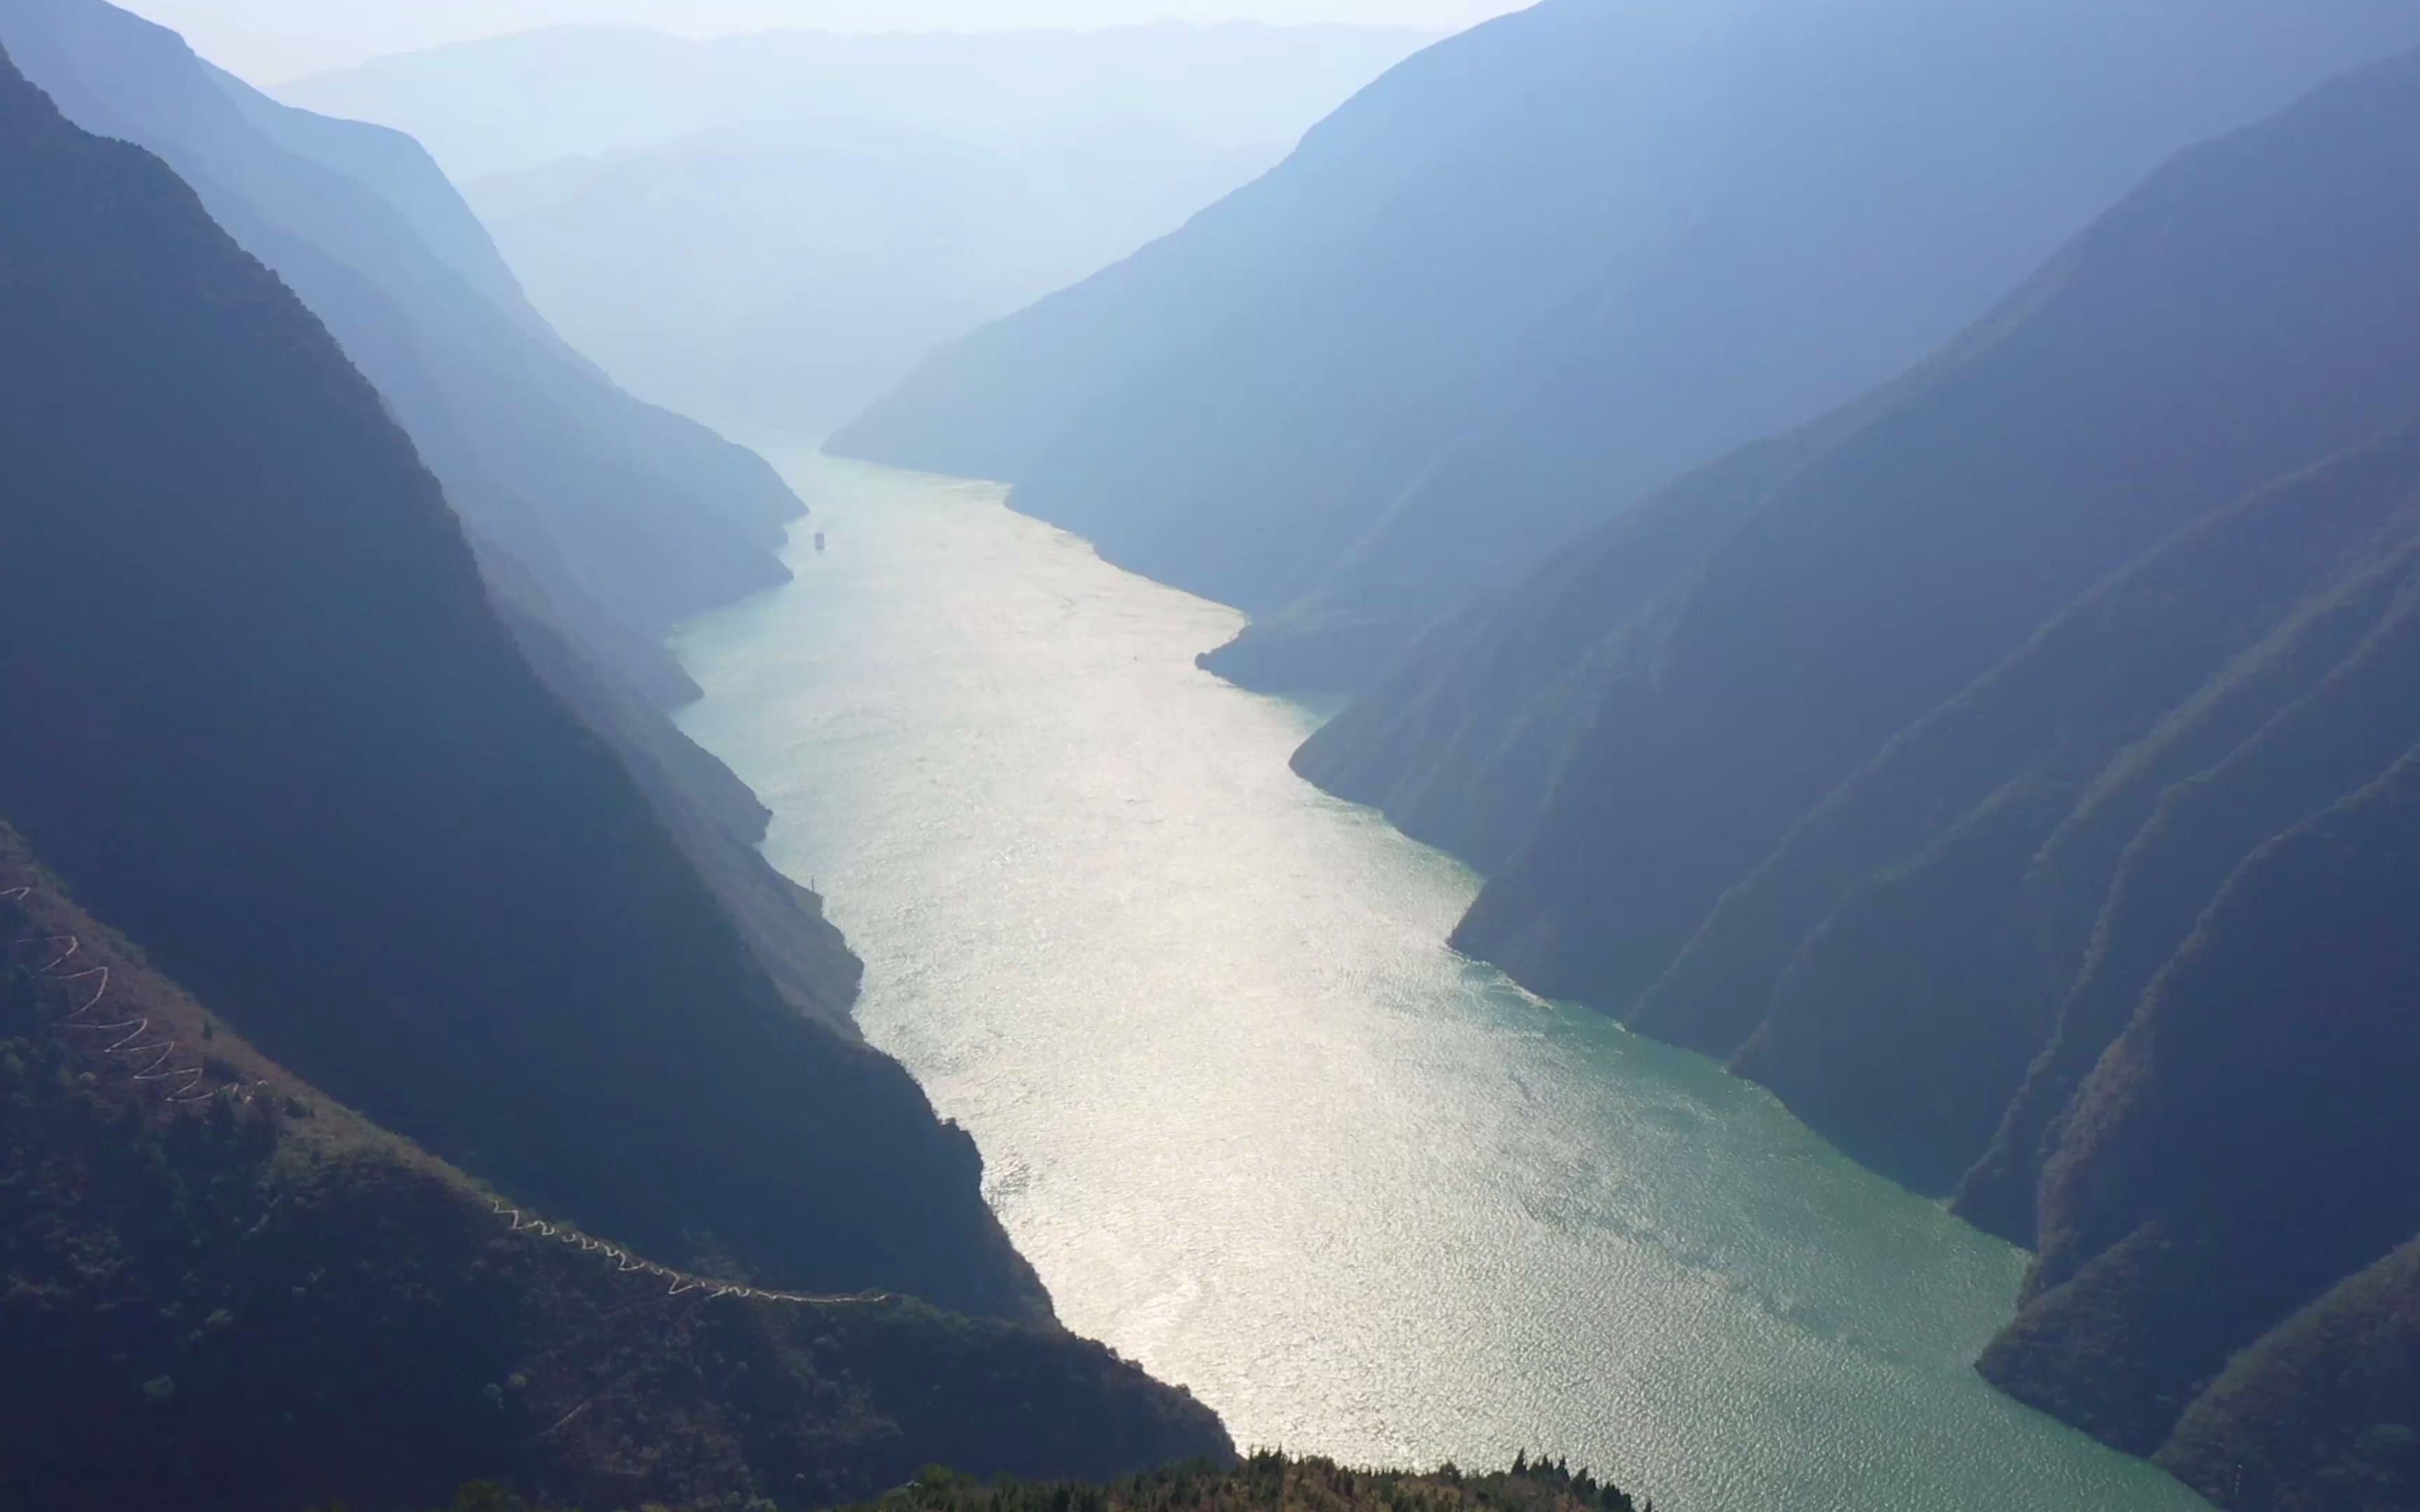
[1259,1128]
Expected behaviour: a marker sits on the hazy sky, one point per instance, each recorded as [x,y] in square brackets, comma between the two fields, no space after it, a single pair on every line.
[267,40]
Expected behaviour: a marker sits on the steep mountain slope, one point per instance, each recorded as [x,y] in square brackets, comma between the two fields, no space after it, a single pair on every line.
[1885,172]
[629,517]
[710,814]
[2239,317]
[2014,772]
[2245,1146]
[1554,263]
[2339,716]
[1510,135]
[1919,882]
[263,716]
[594,517]
[221,1283]
[2317,1416]
[1461,743]
[398,169]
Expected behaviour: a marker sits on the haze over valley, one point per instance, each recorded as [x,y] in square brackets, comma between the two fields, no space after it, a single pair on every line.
[795,218]
[1432,758]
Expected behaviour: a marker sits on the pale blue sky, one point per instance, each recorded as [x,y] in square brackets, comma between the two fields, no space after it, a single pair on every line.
[267,40]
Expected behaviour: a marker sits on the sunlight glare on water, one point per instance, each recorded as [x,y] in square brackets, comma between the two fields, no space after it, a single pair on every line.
[1252,1121]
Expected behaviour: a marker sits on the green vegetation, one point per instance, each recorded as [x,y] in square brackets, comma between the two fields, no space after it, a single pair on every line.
[1267,1482]
[1272,1481]
[258,1300]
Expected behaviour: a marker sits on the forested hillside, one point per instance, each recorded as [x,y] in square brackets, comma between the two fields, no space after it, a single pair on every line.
[223,1283]
[2239,317]
[2012,770]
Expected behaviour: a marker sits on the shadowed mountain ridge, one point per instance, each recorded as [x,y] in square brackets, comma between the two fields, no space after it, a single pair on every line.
[1551,264]
[2012,772]
[271,724]
[220,1287]
[599,521]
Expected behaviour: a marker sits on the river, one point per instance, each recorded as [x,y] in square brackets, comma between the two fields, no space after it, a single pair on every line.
[1252,1121]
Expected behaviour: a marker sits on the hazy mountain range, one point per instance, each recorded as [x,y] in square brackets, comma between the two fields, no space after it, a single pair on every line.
[1555,262]
[511,103]
[781,277]
[270,42]
[796,219]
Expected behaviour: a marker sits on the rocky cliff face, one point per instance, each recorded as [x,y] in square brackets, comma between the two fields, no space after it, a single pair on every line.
[1554,263]
[263,714]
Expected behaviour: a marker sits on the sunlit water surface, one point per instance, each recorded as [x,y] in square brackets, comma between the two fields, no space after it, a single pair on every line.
[1259,1128]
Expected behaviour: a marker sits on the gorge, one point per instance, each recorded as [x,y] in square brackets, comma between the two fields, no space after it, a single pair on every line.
[1257,1128]
[1921,759]
[1792,882]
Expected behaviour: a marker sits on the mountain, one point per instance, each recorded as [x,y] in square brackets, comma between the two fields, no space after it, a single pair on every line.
[630,516]
[2232,1183]
[599,521]
[521,102]
[265,720]
[222,1283]
[798,218]
[782,277]
[2233,319]
[1547,266]
[263,708]
[2014,772]
[1970,861]
[2318,1395]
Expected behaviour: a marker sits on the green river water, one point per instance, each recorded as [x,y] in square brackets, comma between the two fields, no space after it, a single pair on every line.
[1252,1121]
